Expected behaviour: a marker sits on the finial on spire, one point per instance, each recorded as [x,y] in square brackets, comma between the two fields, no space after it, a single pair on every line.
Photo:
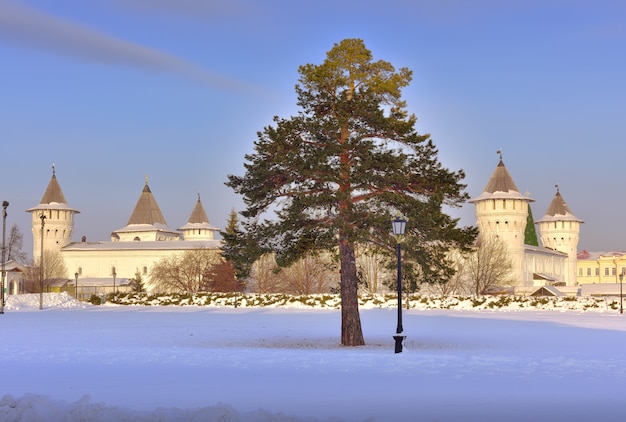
[146,179]
[198,196]
[499,152]
[557,187]
[53,171]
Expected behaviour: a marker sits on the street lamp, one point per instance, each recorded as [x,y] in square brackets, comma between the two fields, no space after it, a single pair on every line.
[5,204]
[114,275]
[76,285]
[399,226]
[621,297]
[43,224]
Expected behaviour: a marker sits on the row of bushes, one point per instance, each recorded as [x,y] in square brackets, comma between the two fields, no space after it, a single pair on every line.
[329,301]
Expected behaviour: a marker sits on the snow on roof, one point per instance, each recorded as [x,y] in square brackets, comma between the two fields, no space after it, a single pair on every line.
[53,197]
[558,211]
[501,186]
[543,250]
[145,245]
[597,255]
[100,282]
[600,289]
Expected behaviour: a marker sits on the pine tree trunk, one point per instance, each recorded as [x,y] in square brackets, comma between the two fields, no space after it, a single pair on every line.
[351,332]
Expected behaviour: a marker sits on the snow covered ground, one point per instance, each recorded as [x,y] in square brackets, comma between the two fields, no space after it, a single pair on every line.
[71,362]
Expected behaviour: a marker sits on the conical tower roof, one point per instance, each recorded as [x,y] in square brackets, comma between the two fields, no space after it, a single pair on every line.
[147,210]
[146,222]
[501,186]
[53,192]
[53,197]
[198,215]
[198,218]
[501,180]
[558,210]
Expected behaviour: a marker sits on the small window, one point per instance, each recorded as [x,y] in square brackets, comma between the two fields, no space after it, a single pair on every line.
[588,272]
[606,271]
[597,272]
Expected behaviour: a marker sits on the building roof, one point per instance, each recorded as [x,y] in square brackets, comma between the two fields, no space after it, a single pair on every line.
[198,218]
[587,255]
[542,250]
[144,245]
[198,215]
[501,186]
[147,210]
[53,197]
[146,216]
[547,291]
[558,210]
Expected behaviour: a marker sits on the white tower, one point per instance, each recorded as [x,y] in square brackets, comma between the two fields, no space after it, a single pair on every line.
[502,212]
[198,226]
[559,229]
[58,219]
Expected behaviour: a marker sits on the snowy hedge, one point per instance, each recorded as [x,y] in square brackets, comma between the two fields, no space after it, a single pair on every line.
[369,301]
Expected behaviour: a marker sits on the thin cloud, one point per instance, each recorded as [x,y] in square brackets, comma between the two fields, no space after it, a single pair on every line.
[198,9]
[32,28]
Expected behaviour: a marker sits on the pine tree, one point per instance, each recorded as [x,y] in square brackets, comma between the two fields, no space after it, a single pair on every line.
[237,248]
[530,234]
[334,176]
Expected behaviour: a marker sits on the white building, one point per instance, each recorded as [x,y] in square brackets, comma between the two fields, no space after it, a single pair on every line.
[502,212]
[132,249]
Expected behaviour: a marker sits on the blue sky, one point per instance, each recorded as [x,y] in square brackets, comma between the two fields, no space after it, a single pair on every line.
[113,90]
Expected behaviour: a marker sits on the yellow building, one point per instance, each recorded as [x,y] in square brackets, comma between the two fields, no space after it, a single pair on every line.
[600,267]
[132,249]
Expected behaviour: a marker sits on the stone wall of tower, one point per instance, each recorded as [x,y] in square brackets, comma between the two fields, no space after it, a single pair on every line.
[562,236]
[505,219]
[57,230]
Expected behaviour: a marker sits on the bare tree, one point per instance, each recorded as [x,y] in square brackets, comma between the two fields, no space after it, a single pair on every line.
[14,245]
[263,275]
[457,283]
[371,269]
[309,275]
[53,269]
[186,272]
[53,265]
[31,278]
[489,266]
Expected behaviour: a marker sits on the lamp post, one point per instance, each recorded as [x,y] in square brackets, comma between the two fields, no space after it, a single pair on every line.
[621,298]
[43,224]
[76,285]
[399,226]
[114,275]
[5,204]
